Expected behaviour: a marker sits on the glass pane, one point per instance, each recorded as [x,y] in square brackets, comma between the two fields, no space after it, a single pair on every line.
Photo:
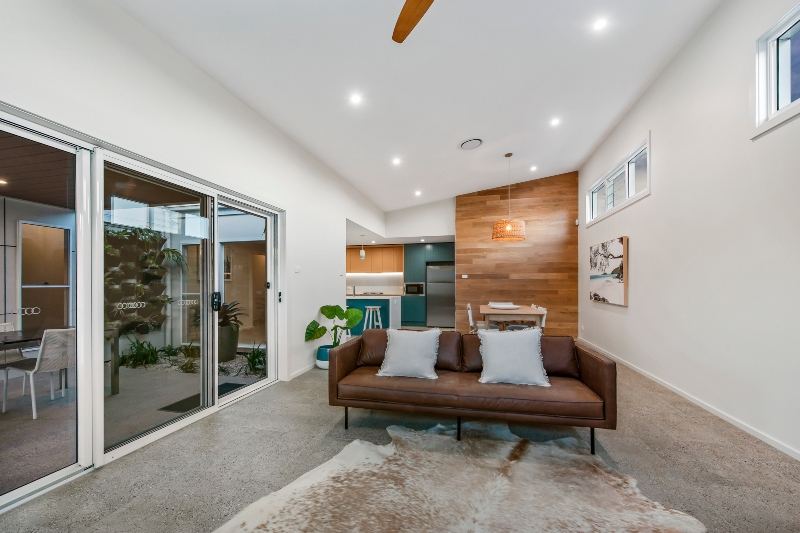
[637,173]
[599,201]
[242,323]
[615,191]
[45,255]
[155,235]
[37,213]
[789,66]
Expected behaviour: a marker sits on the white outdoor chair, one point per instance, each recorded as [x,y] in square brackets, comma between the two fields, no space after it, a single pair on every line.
[56,352]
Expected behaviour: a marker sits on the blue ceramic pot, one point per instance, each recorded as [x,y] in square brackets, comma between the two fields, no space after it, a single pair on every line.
[323,354]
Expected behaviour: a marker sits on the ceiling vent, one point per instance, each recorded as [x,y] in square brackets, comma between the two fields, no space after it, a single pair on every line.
[471,144]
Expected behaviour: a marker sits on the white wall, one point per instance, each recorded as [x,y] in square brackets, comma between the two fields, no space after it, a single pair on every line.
[714,250]
[89,66]
[427,220]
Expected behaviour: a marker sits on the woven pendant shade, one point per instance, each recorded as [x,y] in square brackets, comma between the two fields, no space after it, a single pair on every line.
[508,230]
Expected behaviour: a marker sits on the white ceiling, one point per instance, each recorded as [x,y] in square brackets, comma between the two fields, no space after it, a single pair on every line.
[357,235]
[496,70]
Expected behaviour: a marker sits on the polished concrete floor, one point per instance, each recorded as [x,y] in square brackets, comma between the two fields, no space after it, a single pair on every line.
[197,478]
[31,449]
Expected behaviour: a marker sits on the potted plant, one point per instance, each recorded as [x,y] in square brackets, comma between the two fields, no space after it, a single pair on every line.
[351,317]
[228,330]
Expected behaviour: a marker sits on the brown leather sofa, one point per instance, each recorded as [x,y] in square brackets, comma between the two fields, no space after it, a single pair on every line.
[583,389]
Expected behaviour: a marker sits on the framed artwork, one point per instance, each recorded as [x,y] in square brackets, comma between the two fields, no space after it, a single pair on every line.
[608,272]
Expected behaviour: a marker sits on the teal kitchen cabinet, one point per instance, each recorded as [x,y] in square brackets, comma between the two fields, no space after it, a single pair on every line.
[414,259]
[440,251]
[413,311]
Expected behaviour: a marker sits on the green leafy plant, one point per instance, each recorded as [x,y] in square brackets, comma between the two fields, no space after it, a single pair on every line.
[189,366]
[136,263]
[255,361]
[140,353]
[351,317]
[229,314]
[190,351]
[170,353]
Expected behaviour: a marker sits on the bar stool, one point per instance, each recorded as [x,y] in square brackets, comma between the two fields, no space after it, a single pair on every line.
[373,318]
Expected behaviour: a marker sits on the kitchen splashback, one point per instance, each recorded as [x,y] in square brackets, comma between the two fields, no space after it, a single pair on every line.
[389,284]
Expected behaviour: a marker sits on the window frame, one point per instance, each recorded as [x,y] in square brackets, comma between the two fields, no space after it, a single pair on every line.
[769,113]
[608,178]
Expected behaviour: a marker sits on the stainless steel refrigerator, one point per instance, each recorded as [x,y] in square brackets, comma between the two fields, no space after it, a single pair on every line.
[440,290]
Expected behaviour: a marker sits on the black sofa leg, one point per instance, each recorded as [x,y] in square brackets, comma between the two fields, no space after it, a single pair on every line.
[591,439]
[458,428]
[346,421]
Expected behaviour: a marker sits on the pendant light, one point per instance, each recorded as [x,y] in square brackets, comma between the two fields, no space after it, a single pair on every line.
[508,229]
[362,254]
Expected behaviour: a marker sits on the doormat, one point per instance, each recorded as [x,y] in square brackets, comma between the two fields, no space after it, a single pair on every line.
[193,401]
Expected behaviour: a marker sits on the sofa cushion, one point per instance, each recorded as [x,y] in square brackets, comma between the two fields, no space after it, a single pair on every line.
[374,341]
[567,397]
[558,355]
[449,357]
[560,359]
[411,354]
[373,347]
[364,384]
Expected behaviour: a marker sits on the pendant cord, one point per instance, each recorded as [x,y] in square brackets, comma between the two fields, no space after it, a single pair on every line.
[509,188]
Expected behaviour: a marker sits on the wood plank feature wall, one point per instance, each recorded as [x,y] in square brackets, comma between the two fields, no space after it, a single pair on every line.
[543,269]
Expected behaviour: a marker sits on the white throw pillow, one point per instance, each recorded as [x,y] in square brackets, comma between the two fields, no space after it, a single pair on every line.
[513,357]
[411,354]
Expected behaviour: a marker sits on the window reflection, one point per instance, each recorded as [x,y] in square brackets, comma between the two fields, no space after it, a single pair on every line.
[242,324]
[38,426]
[154,237]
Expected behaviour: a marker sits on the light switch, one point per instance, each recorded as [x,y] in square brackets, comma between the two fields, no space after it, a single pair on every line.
[297,269]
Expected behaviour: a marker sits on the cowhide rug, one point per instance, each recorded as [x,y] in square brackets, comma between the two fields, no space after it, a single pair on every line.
[490,481]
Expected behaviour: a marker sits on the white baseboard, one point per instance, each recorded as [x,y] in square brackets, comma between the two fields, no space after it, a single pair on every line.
[775,443]
[301,371]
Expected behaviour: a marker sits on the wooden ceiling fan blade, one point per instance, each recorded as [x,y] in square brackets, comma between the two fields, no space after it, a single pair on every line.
[410,15]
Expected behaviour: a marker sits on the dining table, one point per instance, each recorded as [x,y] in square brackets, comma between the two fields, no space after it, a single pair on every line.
[13,342]
[524,314]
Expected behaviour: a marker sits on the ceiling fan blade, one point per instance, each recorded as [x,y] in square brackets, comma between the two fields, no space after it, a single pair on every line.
[410,15]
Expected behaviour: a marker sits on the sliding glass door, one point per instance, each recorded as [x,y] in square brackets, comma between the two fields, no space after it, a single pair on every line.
[245,270]
[39,247]
[156,237]
[131,298]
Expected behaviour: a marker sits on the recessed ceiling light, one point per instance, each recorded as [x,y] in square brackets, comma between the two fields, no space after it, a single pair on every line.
[373,242]
[555,121]
[356,99]
[422,240]
[534,168]
[417,193]
[3,181]
[396,161]
[600,24]
[471,144]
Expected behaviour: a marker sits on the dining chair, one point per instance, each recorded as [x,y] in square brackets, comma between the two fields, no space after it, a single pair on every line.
[475,326]
[56,352]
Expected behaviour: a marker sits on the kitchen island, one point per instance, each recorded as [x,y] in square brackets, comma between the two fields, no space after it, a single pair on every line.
[390,309]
